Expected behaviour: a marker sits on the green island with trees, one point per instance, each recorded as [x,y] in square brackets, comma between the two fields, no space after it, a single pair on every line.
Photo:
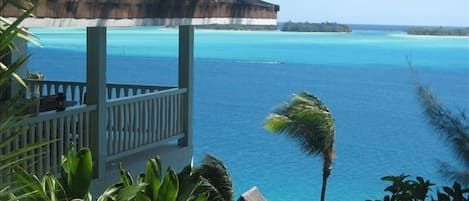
[287,27]
[438,31]
[315,27]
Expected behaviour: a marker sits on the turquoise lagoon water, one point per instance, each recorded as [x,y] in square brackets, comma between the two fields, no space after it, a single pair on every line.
[240,76]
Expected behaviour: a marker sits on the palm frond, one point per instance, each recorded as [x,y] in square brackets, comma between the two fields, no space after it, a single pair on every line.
[216,179]
[305,120]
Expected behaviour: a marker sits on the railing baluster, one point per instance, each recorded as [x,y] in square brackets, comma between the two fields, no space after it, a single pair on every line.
[120,128]
[22,144]
[68,135]
[32,138]
[79,129]
[48,153]
[41,151]
[55,146]
[73,92]
[134,123]
[86,131]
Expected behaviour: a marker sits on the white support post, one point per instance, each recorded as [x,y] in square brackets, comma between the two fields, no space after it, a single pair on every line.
[186,79]
[96,94]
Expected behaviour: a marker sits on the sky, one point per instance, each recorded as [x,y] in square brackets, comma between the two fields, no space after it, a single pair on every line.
[385,12]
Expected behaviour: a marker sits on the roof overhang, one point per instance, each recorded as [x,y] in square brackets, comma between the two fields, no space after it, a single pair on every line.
[88,13]
[72,22]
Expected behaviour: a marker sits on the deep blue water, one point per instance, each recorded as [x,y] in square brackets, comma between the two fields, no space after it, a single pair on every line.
[241,76]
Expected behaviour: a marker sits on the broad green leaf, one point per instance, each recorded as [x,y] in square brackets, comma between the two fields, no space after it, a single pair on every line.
[153,177]
[110,194]
[141,197]
[82,170]
[169,188]
[129,192]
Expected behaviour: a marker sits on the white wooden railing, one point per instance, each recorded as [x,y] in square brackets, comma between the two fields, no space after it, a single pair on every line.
[136,123]
[137,118]
[75,91]
[63,128]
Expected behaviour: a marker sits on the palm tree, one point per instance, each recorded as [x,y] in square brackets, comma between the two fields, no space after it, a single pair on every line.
[216,179]
[307,121]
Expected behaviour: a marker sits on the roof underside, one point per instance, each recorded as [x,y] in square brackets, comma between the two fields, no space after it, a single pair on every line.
[63,13]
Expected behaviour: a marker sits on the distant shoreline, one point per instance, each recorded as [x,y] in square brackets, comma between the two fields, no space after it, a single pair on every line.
[438,31]
[315,27]
[346,28]
[285,27]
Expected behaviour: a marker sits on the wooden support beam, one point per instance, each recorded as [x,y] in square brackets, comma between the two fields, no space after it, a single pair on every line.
[96,95]
[186,79]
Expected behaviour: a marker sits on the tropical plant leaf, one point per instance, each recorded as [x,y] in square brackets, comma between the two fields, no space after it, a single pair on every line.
[28,182]
[169,188]
[7,35]
[129,192]
[77,172]
[153,177]
[217,183]
[188,183]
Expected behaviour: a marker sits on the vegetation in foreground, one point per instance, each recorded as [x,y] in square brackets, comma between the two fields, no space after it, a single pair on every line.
[453,129]
[404,189]
[307,121]
[209,182]
[11,115]
[438,31]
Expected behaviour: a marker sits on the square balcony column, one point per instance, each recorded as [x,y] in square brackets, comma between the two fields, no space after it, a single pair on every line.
[186,79]
[96,95]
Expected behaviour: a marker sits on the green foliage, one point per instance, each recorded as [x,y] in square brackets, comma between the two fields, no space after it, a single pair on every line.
[404,189]
[438,31]
[76,171]
[149,187]
[216,179]
[307,121]
[11,115]
[315,27]
[453,128]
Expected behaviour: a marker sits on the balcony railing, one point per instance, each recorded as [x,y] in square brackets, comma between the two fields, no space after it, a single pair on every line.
[76,91]
[137,118]
[133,123]
[63,128]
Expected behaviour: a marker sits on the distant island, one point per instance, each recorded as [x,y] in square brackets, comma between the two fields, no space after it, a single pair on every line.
[238,27]
[438,31]
[288,26]
[315,27]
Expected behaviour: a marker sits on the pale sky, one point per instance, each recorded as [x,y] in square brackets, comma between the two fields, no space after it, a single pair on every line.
[386,12]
